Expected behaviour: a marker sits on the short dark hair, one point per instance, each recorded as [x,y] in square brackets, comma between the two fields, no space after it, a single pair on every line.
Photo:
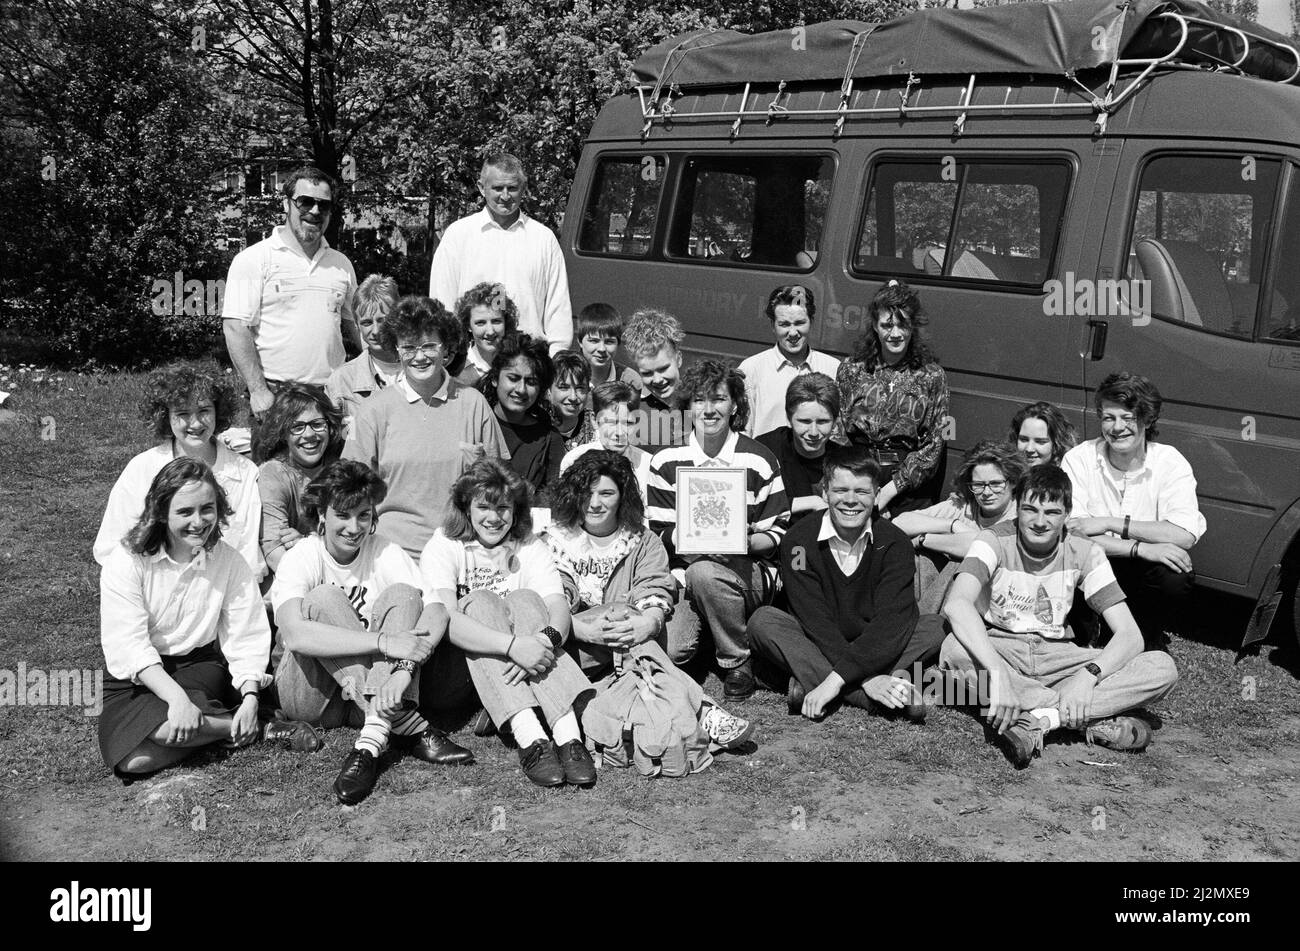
[150,531]
[813,388]
[571,363]
[498,483]
[571,494]
[181,385]
[598,318]
[415,317]
[1059,429]
[514,346]
[792,295]
[272,435]
[314,175]
[856,460]
[1136,394]
[899,298]
[1010,463]
[343,486]
[701,379]
[612,393]
[1047,482]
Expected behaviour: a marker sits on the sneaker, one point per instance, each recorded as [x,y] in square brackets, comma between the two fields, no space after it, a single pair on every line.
[295,734]
[1125,734]
[1022,741]
[357,777]
[723,729]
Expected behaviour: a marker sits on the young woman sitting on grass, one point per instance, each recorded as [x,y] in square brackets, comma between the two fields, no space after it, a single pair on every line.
[511,617]
[616,578]
[300,434]
[185,406]
[356,628]
[184,633]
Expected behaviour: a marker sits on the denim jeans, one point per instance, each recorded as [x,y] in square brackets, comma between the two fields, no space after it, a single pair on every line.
[718,596]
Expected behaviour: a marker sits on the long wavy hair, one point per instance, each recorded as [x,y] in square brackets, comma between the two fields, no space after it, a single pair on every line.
[150,533]
[180,386]
[906,305]
[571,494]
[272,436]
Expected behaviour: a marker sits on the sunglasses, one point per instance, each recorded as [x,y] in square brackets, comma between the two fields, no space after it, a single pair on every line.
[305,203]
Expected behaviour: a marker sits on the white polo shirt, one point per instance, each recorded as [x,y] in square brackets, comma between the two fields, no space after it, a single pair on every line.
[767,377]
[295,305]
[525,258]
[847,556]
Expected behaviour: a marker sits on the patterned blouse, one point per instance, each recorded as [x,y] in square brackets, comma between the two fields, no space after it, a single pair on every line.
[896,410]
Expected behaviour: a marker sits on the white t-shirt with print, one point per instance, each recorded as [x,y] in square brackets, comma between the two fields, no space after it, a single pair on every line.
[509,566]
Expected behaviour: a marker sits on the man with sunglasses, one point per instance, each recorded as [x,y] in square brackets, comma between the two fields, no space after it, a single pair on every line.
[289,298]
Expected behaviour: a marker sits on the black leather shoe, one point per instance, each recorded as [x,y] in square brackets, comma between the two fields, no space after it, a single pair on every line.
[579,770]
[738,684]
[298,736]
[541,764]
[794,695]
[434,746]
[357,777]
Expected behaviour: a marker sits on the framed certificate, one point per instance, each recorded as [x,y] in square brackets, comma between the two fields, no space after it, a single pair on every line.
[712,518]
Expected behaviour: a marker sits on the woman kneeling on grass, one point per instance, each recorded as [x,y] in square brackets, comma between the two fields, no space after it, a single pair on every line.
[355,626]
[511,618]
[616,578]
[184,633]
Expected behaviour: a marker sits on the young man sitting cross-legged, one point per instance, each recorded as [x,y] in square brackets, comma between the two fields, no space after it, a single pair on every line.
[856,635]
[1008,610]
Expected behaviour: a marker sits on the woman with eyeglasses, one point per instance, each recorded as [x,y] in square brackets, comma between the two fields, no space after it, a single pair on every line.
[894,400]
[942,534]
[423,432]
[299,436]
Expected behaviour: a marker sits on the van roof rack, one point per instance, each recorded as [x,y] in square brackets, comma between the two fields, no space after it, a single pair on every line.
[1048,40]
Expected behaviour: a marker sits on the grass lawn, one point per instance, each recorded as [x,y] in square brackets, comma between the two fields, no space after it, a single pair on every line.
[1218,783]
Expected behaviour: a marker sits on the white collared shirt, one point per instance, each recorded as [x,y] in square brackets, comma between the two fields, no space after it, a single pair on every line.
[1163,490]
[525,258]
[767,377]
[152,606]
[847,556]
[295,305]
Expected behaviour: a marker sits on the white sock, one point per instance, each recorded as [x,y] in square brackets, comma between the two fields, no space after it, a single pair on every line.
[565,729]
[1050,714]
[409,724]
[374,734]
[526,729]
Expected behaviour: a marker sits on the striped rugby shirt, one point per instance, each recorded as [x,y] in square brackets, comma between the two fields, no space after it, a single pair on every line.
[768,508]
[1026,595]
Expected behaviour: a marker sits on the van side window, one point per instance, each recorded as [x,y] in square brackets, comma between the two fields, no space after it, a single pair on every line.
[762,210]
[1198,238]
[620,215]
[969,219]
[1282,315]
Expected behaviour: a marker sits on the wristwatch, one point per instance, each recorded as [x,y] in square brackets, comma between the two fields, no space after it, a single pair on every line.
[406,665]
[1093,669]
[556,637]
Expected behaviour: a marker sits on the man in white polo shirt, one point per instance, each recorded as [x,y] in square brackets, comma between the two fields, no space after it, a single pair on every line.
[501,244]
[289,298]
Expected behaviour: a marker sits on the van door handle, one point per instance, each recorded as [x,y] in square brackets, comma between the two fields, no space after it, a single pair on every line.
[1097,330]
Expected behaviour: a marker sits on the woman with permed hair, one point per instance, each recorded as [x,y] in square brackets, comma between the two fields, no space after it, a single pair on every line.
[1042,434]
[894,400]
[487,316]
[184,632]
[184,407]
[511,617]
[521,374]
[422,432]
[299,435]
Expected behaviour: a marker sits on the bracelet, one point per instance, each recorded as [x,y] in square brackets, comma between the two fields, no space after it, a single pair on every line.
[1124,533]
[511,644]
[952,529]
[1133,552]
[406,665]
[920,540]
[555,637]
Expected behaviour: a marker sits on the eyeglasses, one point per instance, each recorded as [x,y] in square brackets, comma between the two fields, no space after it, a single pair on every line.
[315,425]
[981,487]
[307,203]
[424,350]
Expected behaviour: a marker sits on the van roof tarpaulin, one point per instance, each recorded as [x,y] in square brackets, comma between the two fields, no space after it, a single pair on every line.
[1039,38]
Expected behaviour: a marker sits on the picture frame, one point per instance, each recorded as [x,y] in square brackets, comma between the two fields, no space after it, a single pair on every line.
[712,517]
